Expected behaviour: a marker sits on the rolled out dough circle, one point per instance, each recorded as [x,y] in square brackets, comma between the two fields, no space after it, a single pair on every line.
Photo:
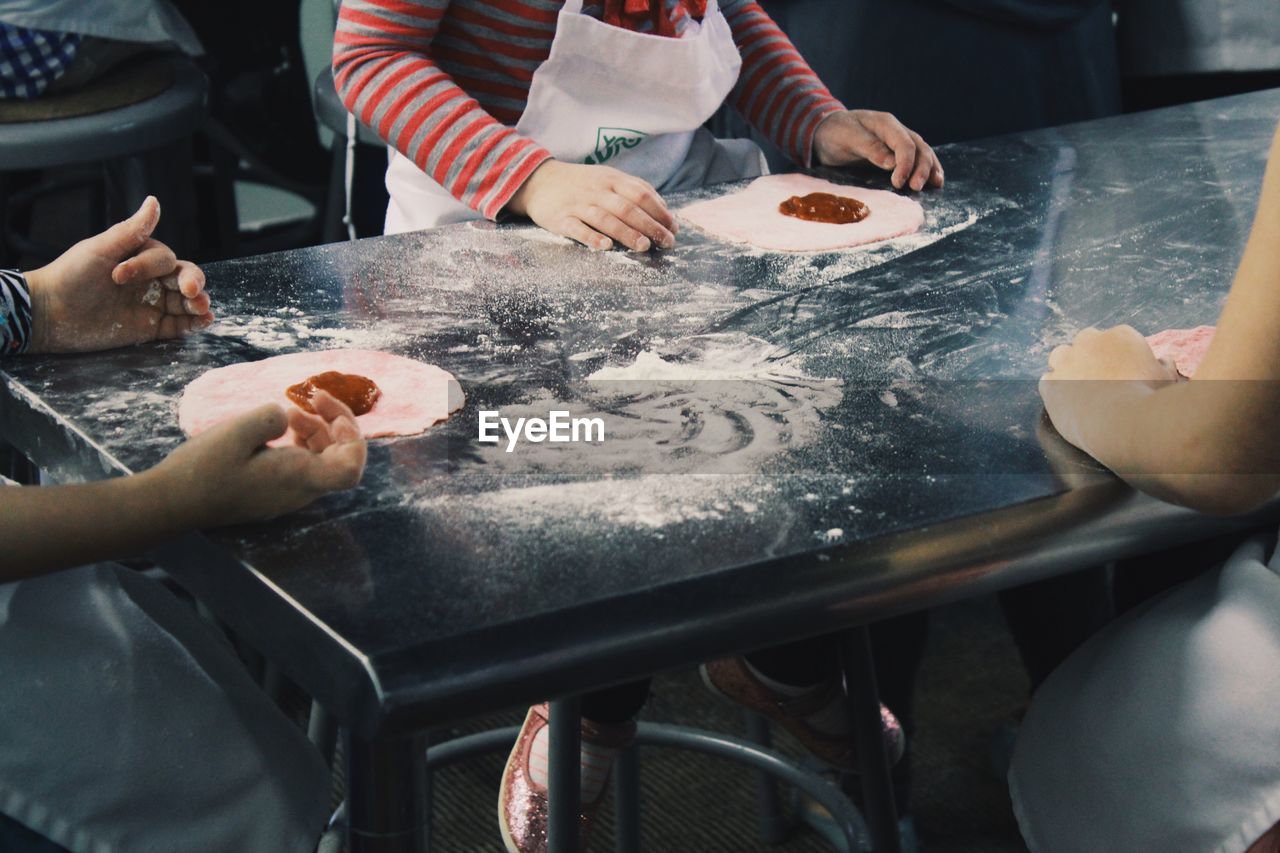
[415,395]
[751,216]
[1186,348]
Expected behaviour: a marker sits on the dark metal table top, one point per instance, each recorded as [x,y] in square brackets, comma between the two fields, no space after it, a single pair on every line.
[853,434]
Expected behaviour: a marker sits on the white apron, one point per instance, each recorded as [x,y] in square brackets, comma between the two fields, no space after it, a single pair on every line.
[128,724]
[605,95]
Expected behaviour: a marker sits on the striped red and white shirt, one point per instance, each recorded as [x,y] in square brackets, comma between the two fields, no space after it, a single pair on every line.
[445,81]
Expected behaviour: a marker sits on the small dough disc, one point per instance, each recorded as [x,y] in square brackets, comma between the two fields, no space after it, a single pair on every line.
[415,395]
[751,216]
[1184,347]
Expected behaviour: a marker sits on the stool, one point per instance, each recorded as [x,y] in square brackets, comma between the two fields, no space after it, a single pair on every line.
[121,120]
[366,815]
[854,831]
[347,131]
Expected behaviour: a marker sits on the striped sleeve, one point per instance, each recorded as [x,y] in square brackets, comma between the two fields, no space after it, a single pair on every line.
[384,72]
[15,313]
[777,91]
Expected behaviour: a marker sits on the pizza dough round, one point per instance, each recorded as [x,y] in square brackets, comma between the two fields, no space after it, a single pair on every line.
[751,216]
[415,395]
[1186,348]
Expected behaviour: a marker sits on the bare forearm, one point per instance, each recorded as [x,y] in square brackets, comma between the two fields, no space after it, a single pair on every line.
[1208,443]
[1203,444]
[47,528]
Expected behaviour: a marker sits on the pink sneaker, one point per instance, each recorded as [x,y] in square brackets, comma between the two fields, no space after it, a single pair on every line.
[732,679]
[522,802]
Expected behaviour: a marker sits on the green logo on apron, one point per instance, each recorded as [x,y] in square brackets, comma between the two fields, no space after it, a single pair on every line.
[612,141]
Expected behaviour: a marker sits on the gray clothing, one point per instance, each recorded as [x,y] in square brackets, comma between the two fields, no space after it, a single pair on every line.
[127,725]
[714,161]
[1162,732]
[152,22]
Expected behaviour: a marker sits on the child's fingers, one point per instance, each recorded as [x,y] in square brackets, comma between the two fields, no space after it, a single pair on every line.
[172,302]
[125,238]
[898,139]
[254,429]
[611,226]
[876,152]
[938,178]
[153,261]
[177,325]
[576,229]
[197,306]
[309,431]
[345,429]
[646,197]
[638,218]
[330,407]
[924,162]
[338,467]
[190,279]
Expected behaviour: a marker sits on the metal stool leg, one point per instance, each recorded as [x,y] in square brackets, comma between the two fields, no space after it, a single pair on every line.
[626,799]
[864,720]
[564,794]
[428,794]
[772,824]
[335,201]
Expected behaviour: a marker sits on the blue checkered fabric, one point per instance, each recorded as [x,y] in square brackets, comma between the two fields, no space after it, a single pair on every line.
[32,59]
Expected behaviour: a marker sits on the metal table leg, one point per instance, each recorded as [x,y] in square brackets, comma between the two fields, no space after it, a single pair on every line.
[386,794]
[564,794]
[626,801]
[772,824]
[864,720]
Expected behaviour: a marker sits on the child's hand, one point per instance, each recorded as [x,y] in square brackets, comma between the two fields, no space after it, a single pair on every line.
[1119,365]
[595,205]
[853,136]
[228,476]
[120,287]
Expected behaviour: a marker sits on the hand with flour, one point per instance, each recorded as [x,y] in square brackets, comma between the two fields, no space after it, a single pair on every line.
[117,288]
[224,476]
[855,136]
[595,205]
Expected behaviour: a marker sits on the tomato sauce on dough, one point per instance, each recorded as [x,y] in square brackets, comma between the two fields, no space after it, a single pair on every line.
[825,207]
[358,392]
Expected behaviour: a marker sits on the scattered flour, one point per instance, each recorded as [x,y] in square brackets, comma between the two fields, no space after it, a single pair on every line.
[282,333]
[724,356]
[539,235]
[650,502]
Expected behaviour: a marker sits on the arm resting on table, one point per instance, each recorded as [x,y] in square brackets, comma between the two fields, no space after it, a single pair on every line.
[1210,443]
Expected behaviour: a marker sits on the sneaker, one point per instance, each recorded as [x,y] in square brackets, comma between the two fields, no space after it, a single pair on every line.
[732,679]
[522,800]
